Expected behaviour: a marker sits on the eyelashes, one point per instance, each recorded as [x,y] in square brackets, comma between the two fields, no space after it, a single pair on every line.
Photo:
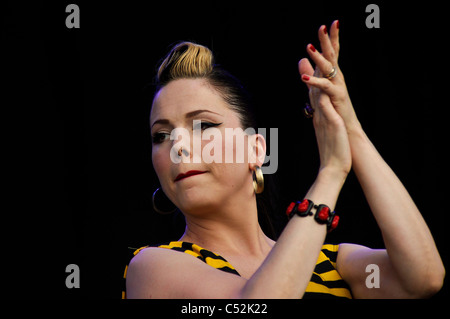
[159,137]
[206,125]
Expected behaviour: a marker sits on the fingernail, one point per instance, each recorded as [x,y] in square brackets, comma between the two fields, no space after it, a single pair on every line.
[312,48]
[325,30]
[337,24]
[305,77]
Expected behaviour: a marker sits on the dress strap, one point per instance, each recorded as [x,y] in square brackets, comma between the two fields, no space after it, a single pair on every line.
[207,256]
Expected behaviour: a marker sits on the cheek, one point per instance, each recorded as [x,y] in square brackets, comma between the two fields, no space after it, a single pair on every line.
[235,147]
[234,167]
[160,163]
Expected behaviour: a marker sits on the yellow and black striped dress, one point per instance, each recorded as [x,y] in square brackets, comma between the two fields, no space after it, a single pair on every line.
[325,281]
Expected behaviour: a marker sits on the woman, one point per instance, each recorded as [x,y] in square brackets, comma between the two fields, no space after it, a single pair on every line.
[235,259]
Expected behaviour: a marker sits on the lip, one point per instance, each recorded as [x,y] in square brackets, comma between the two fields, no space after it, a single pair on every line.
[188,174]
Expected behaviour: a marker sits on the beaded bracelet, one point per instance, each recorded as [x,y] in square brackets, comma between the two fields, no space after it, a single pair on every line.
[323,214]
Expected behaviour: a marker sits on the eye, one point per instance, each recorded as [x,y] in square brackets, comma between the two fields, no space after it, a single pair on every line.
[158,138]
[205,125]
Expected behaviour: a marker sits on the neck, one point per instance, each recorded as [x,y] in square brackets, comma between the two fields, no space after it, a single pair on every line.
[229,230]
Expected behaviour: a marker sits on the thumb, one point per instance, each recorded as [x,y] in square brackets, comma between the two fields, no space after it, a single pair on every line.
[305,67]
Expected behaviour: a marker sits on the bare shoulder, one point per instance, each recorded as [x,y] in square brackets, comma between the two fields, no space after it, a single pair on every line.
[164,273]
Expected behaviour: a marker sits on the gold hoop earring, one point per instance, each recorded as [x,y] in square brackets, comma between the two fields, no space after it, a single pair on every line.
[170,207]
[258,180]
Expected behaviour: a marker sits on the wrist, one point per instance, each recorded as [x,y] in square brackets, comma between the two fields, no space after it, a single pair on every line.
[327,186]
[322,215]
[332,175]
[354,129]
[358,140]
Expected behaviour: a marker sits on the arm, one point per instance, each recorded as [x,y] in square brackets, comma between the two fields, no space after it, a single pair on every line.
[285,274]
[411,252]
[410,266]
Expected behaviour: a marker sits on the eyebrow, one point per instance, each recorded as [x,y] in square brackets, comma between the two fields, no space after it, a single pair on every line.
[187,115]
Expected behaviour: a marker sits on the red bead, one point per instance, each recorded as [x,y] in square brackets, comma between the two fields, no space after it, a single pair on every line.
[335,222]
[290,208]
[323,214]
[303,206]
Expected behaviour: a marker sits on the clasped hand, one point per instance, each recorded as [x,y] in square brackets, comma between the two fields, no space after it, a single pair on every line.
[334,115]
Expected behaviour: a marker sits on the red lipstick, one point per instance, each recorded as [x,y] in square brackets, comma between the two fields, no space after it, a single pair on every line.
[188,174]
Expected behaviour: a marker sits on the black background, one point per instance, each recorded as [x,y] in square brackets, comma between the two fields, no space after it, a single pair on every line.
[77,152]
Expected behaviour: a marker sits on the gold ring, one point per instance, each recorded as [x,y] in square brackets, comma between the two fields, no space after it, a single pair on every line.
[332,74]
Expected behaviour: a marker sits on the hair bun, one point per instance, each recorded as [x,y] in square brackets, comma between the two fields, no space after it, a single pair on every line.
[186,60]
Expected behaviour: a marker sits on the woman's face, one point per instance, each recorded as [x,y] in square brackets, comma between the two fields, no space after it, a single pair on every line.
[175,108]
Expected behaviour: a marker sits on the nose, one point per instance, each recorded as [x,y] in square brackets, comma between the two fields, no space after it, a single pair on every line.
[182,152]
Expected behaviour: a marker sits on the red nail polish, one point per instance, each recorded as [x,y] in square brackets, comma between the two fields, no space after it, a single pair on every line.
[305,77]
[325,30]
[312,48]
[337,24]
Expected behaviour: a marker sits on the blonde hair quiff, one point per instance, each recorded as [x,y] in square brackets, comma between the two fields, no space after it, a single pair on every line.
[186,60]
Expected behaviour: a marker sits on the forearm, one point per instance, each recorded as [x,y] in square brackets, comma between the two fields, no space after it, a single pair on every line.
[288,268]
[409,243]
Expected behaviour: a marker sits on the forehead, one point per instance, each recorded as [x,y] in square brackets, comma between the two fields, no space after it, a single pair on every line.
[186,95]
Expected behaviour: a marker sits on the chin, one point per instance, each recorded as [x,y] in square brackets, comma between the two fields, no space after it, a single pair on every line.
[197,199]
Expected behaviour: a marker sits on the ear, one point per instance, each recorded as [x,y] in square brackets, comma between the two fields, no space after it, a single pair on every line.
[257,150]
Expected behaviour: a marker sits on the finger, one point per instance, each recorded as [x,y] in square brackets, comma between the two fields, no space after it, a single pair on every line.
[305,67]
[334,37]
[321,62]
[321,83]
[325,45]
